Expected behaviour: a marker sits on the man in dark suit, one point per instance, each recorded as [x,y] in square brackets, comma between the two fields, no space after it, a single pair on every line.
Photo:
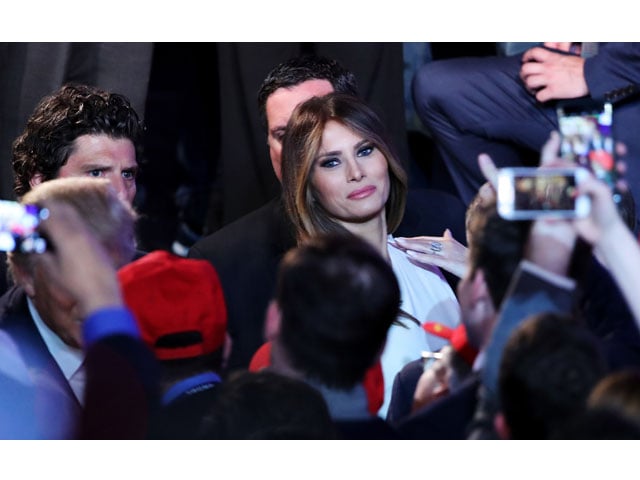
[121,392]
[39,313]
[246,253]
[506,106]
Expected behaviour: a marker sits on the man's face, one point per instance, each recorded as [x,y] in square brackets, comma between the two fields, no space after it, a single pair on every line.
[279,107]
[101,156]
[55,304]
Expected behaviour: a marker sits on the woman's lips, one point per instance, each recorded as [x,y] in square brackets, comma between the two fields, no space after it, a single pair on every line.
[362,192]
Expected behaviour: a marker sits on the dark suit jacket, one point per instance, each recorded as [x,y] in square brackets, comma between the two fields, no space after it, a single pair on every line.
[404,387]
[447,418]
[16,320]
[122,379]
[246,255]
[373,428]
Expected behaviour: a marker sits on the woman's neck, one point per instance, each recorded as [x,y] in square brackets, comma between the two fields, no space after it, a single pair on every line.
[373,231]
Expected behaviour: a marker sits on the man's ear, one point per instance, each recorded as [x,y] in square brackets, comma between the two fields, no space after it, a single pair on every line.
[501,427]
[272,321]
[482,310]
[479,289]
[23,277]
[37,179]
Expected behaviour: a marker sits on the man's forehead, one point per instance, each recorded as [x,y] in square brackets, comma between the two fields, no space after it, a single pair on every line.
[283,101]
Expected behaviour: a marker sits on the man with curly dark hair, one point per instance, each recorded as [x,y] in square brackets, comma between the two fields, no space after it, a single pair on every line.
[79,130]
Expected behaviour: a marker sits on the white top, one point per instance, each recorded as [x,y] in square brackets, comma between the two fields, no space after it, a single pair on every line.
[426,295]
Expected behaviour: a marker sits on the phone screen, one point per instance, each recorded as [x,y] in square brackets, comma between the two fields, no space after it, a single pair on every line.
[530,193]
[18,227]
[586,127]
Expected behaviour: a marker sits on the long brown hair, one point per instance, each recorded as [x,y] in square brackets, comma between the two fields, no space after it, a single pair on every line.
[301,145]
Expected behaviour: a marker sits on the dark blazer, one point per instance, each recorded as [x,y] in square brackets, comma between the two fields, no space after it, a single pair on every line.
[447,418]
[373,428]
[16,320]
[404,388]
[122,380]
[246,254]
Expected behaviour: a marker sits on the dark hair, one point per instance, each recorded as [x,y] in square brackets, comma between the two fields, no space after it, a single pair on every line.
[598,424]
[302,68]
[300,148]
[496,246]
[619,391]
[266,406]
[338,298]
[549,366]
[74,110]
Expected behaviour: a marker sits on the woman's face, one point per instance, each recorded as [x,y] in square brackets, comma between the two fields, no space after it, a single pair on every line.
[350,177]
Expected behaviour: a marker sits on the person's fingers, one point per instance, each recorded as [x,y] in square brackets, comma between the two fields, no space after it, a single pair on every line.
[550,149]
[488,169]
[447,234]
[535,54]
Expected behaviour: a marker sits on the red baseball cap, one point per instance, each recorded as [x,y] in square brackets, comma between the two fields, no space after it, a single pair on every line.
[178,304]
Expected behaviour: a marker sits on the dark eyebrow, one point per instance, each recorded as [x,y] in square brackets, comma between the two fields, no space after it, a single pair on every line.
[338,152]
[97,166]
[330,154]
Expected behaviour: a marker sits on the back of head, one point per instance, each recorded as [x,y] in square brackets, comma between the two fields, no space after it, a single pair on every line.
[549,365]
[302,68]
[267,406]
[301,146]
[338,297]
[180,310]
[72,111]
[107,217]
[496,245]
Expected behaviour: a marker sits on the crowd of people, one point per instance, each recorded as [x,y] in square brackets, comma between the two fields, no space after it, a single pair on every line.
[330,312]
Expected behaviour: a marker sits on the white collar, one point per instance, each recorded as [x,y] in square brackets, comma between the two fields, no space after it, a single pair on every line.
[68,358]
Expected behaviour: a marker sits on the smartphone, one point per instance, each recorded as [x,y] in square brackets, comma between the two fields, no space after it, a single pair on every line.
[528,193]
[18,227]
[586,129]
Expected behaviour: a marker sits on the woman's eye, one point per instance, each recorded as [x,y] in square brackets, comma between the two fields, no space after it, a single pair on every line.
[95,173]
[365,151]
[330,162]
